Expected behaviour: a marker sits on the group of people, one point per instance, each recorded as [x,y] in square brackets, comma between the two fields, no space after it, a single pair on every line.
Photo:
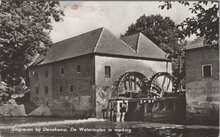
[113,115]
[122,113]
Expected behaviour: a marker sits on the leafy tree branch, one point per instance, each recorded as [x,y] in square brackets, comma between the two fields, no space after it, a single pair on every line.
[204,24]
[24,33]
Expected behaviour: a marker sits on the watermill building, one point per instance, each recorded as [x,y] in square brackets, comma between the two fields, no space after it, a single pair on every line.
[77,76]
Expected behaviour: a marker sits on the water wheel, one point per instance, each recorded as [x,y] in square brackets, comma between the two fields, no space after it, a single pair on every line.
[161,83]
[131,82]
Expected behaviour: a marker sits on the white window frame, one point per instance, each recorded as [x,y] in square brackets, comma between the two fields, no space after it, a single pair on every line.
[203,70]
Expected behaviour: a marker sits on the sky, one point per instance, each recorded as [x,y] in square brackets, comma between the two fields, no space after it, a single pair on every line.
[116,16]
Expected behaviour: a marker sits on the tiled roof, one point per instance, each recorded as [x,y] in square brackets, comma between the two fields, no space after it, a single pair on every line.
[110,44]
[132,40]
[144,46]
[100,41]
[72,47]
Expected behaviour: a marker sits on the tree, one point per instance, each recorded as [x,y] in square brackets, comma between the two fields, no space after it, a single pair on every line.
[204,24]
[24,33]
[164,33]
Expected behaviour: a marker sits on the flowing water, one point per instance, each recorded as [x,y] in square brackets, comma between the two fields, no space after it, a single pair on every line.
[60,127]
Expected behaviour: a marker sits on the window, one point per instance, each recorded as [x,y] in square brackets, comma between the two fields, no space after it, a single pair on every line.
[61,88]
[71,88]
[107,71]
[61,71]
[46,73]
[37,90]
[46,90]
[207,71]
[78,68]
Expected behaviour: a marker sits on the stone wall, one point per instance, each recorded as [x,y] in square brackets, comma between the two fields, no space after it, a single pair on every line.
[73,106]
[12,110]
[102,96]
[202,94]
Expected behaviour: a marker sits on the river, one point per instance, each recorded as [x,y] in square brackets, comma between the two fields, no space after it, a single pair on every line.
[62,127]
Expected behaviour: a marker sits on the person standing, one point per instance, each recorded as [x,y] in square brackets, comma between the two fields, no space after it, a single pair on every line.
[122,111]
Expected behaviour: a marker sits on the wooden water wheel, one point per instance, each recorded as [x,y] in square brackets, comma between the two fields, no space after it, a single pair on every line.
[131,83]
[161,83]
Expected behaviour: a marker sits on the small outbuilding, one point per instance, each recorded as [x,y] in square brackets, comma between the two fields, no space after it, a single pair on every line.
[202,82]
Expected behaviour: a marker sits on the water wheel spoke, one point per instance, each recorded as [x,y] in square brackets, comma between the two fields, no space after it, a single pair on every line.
[164,79]
[160,83]
[135,83]
[125,86]
[131,82]
[156,93]
[168,85]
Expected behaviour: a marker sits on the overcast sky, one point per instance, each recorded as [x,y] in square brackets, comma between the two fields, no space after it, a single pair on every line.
[83,16]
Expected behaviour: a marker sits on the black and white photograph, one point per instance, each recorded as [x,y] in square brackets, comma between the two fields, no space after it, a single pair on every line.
[109,68]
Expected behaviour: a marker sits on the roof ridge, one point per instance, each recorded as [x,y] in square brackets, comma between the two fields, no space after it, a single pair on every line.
[98,39]
[130,34]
